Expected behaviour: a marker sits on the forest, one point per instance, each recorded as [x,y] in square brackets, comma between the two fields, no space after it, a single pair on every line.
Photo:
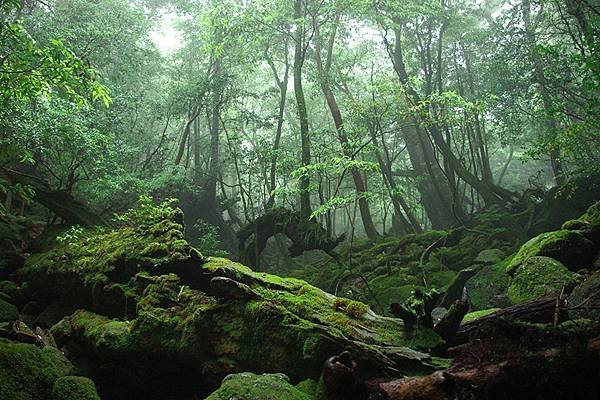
[299,199]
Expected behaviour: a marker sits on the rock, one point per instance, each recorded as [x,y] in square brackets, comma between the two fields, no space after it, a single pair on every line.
[92,271]
[585,298]
[489,257]
[8,312]
[53,314]
[438,313]
[74,388]
[28,372]
[248,386]
[571,248]
[61,331]
[10,292]
[152,310]
[538,277]
[488,287]
[20,332]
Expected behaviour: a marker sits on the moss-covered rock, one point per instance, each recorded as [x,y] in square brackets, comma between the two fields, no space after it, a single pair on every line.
[571,248]
[10,291]
[538,277]
[28,372]
[248,386]
[489,257]
[149,315]
[584,300]
[74,388]
[8,312]
[489,287]
[93,269]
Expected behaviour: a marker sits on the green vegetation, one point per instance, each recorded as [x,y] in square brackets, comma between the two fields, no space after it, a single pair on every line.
[29,373]
[74,387]
[195,193]
[247,386]
[538,277]
[478,314]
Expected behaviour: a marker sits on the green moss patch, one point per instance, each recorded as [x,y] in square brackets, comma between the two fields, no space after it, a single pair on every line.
[248,386]
[538,277]
[74,388]
[478,314]
[28,372]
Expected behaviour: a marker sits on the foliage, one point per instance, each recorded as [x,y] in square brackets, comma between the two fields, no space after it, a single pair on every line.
[70,235]
[146,212]
[208,242]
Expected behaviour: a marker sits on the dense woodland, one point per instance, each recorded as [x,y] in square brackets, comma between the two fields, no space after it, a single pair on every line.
[299,199]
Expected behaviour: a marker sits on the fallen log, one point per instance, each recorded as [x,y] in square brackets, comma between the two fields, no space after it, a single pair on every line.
[450,323]
[543,310]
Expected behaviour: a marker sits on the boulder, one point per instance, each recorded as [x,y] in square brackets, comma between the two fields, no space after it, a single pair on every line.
[571,248]
[539,277]
[489,257]
[248,386]
[584,300]
[28,372]
[8,312]
[74,387]
[488,287]
[152,309]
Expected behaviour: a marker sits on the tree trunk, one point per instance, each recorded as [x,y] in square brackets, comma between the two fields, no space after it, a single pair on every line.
[282,85]
[299,54]
[540,81]
[210,196]
[359,183]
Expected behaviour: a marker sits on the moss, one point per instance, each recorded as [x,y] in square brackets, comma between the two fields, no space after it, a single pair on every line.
[569,247]
[9,290]
[74,388]
[8,312]
[27,372]
[354,309]
[248,386]
[102,333]
[489,287]
[575,225]
[440,279]
[538,277]
[308,386]
[584,299]
[478,314]
[101,255]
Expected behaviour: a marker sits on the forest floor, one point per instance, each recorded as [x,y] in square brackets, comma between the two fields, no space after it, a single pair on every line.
[134,311]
